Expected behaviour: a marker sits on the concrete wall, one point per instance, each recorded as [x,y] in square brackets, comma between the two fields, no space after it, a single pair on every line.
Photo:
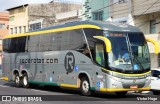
[48,11]
[120,10]
[139,6]
[143,22]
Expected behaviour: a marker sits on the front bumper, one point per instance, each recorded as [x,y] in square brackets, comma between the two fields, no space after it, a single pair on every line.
[123,89]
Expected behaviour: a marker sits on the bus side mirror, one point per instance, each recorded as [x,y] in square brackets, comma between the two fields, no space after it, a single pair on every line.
[155,43]
[106,41]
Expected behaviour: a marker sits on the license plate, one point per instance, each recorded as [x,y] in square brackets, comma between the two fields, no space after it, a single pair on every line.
[133,87]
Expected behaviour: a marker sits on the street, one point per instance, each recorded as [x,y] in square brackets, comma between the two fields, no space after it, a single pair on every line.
[61,95]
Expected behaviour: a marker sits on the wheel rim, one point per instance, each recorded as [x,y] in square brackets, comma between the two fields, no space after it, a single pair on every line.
[25,82]
[85,86]
[17,80]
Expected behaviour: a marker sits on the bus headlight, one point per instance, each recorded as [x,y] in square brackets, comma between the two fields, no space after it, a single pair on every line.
[148,78]
[116,79]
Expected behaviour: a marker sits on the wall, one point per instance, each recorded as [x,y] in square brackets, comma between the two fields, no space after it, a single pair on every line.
[120,10]
[3,31]
[91,6]
[4,20]
[143,22]
[48,11]
[18,17]
[139,6]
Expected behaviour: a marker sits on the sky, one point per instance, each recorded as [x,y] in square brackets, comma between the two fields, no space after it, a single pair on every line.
[5,4]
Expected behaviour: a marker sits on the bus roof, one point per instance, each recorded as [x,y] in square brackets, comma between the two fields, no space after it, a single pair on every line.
[104,25]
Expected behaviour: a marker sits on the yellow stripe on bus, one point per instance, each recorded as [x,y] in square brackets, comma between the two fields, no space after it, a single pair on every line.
[155,44]
[52,30]
[128,74]
[123,89]
[69,85]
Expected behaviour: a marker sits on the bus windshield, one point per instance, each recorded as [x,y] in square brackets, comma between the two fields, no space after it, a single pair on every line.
[130,53]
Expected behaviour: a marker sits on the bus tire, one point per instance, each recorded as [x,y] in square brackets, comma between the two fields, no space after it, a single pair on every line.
[85,87]
[18,81]
[121,93]
[25,81]
[156,92]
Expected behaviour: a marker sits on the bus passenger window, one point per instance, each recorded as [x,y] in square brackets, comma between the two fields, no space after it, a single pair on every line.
[100,54]
[86,50]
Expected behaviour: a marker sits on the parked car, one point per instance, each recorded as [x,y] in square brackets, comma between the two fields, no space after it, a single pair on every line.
[155,81]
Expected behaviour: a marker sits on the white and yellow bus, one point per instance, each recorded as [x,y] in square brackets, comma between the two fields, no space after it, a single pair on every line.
[87,55]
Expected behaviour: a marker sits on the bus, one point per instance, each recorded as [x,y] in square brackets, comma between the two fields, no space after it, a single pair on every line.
[86,55]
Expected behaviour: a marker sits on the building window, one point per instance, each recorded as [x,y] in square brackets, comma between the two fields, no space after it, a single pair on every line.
[15,30]
[24,27]
[20,29]
[35,26]
[98,15]
[152,26]
[11,30]
[120,1]
[2,26]
[11,18]
[123,22]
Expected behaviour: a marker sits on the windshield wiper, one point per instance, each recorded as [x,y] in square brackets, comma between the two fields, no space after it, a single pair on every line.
[138,62]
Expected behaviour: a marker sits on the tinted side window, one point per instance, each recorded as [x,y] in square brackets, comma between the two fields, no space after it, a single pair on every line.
[33,45]
[44,42]
[72,40]
[100,54]
[91,41]
[6,43]
[76,40]
[21,44]
[54,41]
[12,46]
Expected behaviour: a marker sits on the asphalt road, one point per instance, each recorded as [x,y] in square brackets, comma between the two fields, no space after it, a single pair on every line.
[55,95]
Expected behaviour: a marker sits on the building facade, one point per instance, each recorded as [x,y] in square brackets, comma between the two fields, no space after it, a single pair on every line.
[30,17]
[4,19]
[95,10]
[18,19]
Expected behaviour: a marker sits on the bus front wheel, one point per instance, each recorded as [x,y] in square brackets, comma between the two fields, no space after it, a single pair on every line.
[121,93]
[156,92]
[85,87]
[25,80]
